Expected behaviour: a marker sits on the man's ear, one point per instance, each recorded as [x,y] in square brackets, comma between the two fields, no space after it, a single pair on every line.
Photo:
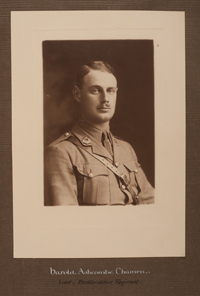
[76,93]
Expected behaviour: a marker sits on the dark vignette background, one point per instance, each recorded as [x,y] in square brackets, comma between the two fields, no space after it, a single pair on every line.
[132,61]
[168,276]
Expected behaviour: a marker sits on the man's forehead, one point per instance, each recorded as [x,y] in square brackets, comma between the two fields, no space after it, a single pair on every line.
[96,77]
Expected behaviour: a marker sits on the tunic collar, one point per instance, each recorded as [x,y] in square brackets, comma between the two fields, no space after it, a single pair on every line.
[92,130]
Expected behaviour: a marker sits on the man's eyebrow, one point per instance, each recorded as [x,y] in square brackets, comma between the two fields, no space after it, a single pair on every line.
[98,86]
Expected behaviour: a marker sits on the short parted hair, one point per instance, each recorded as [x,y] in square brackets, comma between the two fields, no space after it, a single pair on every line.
[93,65]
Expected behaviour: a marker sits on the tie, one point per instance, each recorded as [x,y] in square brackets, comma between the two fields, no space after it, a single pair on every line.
[106,142]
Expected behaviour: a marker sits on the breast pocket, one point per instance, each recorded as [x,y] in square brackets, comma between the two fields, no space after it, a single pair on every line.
[145,190]
[96,189]
[133,167]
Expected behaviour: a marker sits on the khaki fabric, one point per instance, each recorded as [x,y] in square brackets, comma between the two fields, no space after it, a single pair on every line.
[72,176]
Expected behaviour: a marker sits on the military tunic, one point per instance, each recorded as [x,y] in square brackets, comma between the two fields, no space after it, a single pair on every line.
[74,176]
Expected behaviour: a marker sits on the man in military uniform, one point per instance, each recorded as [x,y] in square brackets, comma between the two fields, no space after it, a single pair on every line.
[88,165]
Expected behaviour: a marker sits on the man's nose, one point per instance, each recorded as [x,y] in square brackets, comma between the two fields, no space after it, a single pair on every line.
[104,97]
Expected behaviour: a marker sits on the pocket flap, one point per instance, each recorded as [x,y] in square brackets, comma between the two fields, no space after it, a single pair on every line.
[92,170]
[132,165]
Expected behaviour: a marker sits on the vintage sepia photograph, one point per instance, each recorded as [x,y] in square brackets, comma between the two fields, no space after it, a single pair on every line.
[98,122]
[104,120]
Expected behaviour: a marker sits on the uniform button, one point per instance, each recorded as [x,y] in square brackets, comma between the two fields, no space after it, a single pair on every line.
[90,175]
[66,134]
[136,170]
[123,187]
[117,164]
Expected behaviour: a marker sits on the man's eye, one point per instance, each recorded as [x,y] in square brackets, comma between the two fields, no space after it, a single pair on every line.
[94,90]
[111,91]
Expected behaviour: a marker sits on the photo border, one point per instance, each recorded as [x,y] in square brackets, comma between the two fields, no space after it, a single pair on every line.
[38,232]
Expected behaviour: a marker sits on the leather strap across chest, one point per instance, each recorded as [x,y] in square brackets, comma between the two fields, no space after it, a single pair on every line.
[115,170]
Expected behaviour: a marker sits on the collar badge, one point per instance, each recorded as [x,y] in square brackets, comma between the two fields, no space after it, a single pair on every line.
[86,141]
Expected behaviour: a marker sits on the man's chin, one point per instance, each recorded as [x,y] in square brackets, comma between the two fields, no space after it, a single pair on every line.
[104,117]
[100,118]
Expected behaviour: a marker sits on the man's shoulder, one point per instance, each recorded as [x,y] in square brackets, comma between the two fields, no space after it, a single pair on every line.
[61,143]
[124,146]
[63,138]
[120,141]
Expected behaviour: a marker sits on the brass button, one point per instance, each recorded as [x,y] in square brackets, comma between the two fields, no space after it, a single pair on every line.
[136,170]
[116,164]
[90,175]
[123,187]
[66,134]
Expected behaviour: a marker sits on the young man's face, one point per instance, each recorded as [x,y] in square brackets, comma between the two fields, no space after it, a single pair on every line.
[98,97]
